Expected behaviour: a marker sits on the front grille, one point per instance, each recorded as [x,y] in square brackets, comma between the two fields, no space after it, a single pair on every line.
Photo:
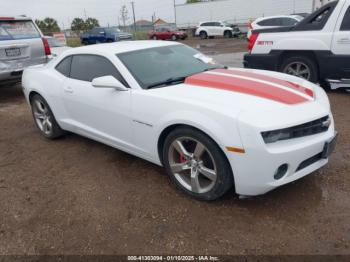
[309,161]
[311,128]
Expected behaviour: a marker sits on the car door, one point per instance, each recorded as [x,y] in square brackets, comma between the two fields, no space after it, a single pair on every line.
[341,46]
[100,113]
[218,29]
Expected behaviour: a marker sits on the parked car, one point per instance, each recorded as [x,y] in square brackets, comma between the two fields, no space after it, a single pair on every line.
[211,128]
[21,45]
[56,46]
[104,35]
[317,49]
[164,33]
[212,29]
[273,22]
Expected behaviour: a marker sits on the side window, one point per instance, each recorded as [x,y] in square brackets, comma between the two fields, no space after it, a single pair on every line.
[217,24]
[205,24]
[270,22]
[88,67]
[64,66]
[345,26]
[288,21]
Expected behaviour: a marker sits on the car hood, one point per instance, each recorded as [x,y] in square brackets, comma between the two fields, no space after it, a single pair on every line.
[253,92]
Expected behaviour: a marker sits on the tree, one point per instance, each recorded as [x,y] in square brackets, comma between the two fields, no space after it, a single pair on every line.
[48,25]
[91,23]
[78,24]
[124,14]
[193,1]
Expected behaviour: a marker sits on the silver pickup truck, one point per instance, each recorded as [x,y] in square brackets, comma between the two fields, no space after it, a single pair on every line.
[21,45]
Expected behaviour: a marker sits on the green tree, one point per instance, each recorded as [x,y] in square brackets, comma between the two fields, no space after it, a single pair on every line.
[78,24]
[91,23]
[48,25]
[193,1]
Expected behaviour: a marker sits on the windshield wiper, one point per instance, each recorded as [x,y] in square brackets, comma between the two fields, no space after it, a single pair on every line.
[168,82]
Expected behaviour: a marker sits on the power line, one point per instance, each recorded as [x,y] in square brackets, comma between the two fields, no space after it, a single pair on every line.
[133,13]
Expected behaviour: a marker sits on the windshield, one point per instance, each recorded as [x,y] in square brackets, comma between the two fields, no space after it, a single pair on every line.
[12,30]
[53,42]
[161,64]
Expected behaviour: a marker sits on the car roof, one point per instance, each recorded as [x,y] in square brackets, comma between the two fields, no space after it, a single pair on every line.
[14,18]
[277,16]
[120,47]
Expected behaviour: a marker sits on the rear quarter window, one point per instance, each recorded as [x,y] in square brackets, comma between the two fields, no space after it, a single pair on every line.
[345,26]
[14,30]
[64,66]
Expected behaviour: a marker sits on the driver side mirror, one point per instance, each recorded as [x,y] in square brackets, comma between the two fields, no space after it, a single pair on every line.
[108,82]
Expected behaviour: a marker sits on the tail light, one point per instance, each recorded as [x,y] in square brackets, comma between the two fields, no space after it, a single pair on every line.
[46,46]
[252,41]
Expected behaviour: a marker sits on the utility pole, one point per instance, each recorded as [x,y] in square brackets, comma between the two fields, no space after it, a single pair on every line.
[175,12]
[85,14]
[133,13]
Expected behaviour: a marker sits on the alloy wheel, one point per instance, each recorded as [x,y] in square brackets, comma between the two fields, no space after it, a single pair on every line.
[298,69]
[42,117]
[192,165]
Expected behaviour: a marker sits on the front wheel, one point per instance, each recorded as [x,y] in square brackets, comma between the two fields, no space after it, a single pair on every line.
[44,118]
[300,66]
[228,34]
[203,35]
[196,165]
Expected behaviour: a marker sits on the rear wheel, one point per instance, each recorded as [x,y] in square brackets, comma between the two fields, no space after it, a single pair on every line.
[44,118]
[301,66]
[203,35]
[196,165]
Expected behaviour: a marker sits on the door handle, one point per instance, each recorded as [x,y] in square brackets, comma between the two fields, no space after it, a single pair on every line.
[68,89]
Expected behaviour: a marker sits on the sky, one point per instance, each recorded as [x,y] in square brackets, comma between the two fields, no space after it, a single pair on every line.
[106,11]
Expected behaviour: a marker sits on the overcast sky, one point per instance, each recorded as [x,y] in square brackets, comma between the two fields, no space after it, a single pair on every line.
[106,11]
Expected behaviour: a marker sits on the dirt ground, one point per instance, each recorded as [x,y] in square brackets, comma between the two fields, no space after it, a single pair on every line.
[77,196]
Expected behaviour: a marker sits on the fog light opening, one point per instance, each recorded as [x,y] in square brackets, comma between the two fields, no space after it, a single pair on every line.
[281,172]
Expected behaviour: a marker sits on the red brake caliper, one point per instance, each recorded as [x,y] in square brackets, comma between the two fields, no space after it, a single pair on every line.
[182,159]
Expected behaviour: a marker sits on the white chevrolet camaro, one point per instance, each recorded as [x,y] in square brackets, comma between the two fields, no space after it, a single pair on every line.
[211,127]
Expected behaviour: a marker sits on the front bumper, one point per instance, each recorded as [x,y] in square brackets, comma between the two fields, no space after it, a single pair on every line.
[254,171]
[261,61]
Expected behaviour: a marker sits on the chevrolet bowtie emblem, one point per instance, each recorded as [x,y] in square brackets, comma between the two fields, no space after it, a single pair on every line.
[326,123]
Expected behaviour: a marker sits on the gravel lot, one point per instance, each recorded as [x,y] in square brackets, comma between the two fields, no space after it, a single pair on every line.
[76,196]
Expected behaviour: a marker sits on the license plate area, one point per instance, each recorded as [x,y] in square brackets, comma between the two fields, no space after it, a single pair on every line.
[329,147]
[13,52]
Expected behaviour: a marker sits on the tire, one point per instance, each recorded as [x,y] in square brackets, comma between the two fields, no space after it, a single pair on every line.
[84,42]
[154,38]
[228,34]
[109,41]
[290,65]
[42,112]
[173,37]
[212,161]
[203,35]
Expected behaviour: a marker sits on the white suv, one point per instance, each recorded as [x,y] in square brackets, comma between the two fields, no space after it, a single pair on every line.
[273,22]
[212,29]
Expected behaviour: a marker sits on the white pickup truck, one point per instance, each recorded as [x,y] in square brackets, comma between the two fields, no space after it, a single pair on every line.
[317,48]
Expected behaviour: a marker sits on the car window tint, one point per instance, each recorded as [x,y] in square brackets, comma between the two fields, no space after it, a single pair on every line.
[217,24]
[64,66]
[13,30]
[345,26]
[288,21]
[88,67]
[205,24]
